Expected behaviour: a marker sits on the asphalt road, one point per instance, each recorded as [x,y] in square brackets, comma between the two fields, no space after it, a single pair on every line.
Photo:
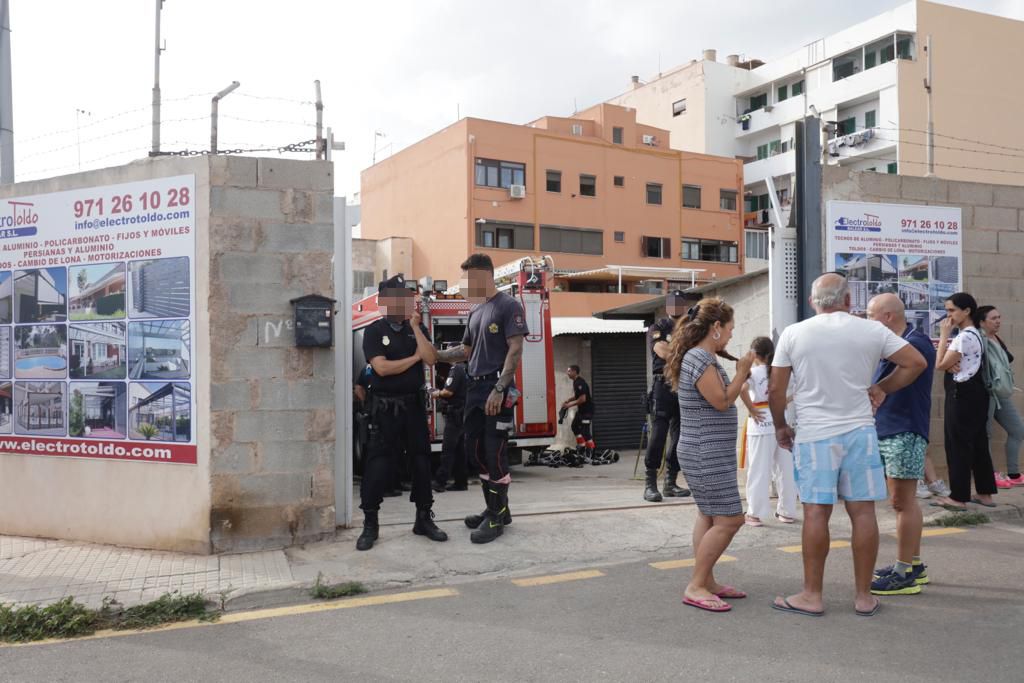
[623,623]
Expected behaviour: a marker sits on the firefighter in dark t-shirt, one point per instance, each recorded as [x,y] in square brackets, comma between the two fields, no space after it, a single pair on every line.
[398,416]
[583,422]
[664,406]
[493,345]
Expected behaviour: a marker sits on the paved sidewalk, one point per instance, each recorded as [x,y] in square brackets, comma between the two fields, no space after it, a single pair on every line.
[43,571]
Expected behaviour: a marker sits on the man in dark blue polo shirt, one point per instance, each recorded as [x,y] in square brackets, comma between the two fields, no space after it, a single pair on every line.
[902,422]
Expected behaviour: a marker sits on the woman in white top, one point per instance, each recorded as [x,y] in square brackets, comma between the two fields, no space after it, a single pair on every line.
[966,407]
[764,456]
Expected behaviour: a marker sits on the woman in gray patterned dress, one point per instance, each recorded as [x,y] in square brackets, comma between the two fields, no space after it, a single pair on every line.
[707,441]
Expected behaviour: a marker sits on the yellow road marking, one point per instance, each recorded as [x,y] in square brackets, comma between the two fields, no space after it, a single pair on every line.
[799,548]
[679,564]
[253,615]
[558,578]
[941,532]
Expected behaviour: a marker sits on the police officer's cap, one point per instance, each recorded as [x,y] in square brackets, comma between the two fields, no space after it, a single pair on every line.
[394,282]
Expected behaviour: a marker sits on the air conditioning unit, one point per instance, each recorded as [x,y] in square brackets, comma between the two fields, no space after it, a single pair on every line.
[517,191]
[649,140]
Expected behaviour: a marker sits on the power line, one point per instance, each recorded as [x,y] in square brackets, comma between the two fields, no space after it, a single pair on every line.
[924,163]
[957,149]
[307,124]
[266,98]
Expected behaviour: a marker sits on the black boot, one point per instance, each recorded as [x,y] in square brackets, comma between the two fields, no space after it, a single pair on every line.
[370,530]
[493,524]
[671,490]
[425,526]
[474,521]
[651,494]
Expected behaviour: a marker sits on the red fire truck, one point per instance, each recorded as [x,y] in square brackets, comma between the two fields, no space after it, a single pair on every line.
[446,313]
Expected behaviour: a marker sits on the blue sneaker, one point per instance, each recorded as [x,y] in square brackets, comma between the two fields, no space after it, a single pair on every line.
[895,584]
[918,571]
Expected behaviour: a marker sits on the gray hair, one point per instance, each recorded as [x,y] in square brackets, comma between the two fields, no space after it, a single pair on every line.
[829,291]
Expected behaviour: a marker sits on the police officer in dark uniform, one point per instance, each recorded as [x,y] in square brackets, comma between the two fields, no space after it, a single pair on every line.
[493,345]
[453,445]
[398,416]
[664,406]
[583,422]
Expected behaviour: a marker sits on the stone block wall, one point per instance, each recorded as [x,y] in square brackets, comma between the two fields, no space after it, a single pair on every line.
[272,404]
[993,218]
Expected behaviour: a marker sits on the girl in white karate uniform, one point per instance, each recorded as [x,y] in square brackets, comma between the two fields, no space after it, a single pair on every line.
[764,457]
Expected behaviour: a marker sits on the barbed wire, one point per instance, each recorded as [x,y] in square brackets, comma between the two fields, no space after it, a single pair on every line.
[97,122]
[106,136]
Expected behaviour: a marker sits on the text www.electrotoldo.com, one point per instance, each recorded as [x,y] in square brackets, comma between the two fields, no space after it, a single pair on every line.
[72,448]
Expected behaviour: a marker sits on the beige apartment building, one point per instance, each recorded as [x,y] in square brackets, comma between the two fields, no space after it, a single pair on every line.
[867,84]
[622,213]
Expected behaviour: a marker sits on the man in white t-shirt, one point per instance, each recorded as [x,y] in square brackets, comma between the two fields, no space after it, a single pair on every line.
[831,359]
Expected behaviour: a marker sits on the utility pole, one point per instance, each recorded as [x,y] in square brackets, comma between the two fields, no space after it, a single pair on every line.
[376,134]
[156,84]
[6,98]
[931,123]
[320,152]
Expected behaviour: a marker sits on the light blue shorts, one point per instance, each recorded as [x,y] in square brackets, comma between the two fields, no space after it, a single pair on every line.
[847,466]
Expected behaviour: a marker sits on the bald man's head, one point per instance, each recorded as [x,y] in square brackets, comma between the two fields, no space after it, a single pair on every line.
[889,310]
[830,293]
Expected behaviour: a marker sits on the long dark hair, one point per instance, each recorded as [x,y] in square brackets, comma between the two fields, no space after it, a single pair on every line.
[764,349]
[965,301]
[690,330]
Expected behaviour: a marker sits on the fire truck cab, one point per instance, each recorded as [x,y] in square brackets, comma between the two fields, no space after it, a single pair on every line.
[445,315]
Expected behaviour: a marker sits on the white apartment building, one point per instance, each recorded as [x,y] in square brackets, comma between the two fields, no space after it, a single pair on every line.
[866,83]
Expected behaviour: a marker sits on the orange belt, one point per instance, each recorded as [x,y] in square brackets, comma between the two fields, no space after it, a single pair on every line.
[743,441]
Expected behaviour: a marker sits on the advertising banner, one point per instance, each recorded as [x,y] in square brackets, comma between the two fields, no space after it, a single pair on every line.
[915,252]
[97,308]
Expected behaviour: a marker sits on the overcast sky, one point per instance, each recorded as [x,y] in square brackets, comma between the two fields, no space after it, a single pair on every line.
[402,67]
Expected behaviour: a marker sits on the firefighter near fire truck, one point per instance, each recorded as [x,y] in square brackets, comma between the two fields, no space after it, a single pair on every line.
[397,413]
[493,347]
[664,407]
[583,422]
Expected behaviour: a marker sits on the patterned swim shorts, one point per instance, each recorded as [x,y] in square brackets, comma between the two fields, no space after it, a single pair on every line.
[903,455]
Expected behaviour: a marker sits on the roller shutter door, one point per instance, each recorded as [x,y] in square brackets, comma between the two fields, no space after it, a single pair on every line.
[619,380]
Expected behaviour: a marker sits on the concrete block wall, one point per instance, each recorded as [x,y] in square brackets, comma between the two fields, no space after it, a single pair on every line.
[272,404]
[993,218]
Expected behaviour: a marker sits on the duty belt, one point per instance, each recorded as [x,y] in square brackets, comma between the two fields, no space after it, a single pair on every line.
[490,375]
[391,403]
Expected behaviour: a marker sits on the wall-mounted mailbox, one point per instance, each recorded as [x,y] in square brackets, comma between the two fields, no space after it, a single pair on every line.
[314,320]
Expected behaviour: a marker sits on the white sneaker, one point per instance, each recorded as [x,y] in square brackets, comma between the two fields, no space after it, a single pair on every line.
[922,489]
[939,488]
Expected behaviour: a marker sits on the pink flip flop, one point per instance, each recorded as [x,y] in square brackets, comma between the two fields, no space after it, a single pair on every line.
[785,519]
[707,605]
[752,521]
[731,593]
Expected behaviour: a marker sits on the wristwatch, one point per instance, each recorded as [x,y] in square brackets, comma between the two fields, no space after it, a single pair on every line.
[499,388]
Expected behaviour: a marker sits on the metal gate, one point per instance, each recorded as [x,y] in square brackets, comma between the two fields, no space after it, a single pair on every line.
[619,381]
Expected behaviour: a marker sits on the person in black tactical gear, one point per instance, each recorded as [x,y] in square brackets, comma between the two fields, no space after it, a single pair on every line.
[453,445]
[583,422]
[493,345]
[664,407]
[398,416]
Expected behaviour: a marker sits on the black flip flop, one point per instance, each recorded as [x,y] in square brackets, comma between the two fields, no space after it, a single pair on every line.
[871,612]
[786,607]
[977,501]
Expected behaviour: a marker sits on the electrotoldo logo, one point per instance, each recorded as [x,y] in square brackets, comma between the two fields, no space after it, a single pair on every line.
[20,220]
[869,223]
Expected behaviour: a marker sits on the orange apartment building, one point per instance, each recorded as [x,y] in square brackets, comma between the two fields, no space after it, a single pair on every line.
[623,215]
